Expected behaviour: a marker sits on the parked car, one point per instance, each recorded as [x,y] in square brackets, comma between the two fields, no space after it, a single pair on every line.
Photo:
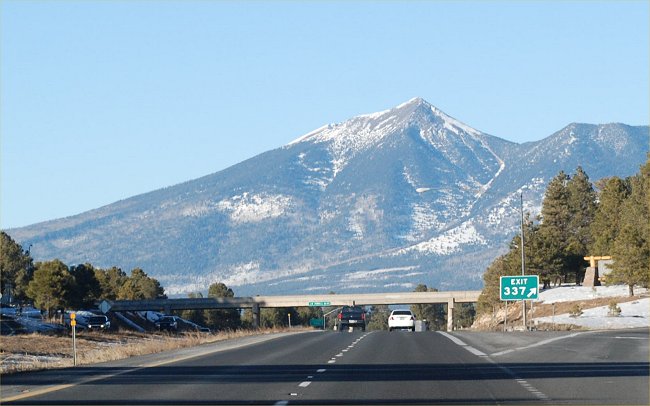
[401,320]
[351,316]
[167,323]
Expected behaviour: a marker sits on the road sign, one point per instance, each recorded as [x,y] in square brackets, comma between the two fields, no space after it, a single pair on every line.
[319,304]
[104,306]
[73,322]
[314,322]
[519,287]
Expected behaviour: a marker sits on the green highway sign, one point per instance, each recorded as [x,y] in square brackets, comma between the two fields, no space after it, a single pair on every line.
[319,304]
[519,287]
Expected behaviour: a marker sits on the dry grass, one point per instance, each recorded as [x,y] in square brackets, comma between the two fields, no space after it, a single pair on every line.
[36,352]
[487,322]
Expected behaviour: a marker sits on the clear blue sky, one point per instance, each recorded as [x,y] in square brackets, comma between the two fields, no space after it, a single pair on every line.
[103,100]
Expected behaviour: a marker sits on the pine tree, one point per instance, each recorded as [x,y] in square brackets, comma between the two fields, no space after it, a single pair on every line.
[606,224]
[140,286]
[52,286]
[631,251]
[378,317]
[490,296]
[555,219]
[630,259]
[582,208]
[86,287]
[16,267]
[226,319]
[110,282]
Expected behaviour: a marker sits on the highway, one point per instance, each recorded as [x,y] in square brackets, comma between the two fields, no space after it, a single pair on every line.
[364,368]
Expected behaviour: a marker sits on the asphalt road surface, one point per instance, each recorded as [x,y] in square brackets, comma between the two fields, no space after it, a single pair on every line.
[364,368]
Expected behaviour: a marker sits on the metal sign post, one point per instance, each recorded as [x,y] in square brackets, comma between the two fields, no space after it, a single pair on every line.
[73,323]
[519,288]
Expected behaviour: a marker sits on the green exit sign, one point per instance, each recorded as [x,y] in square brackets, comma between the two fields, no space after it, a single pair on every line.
[519,287]
[319,304]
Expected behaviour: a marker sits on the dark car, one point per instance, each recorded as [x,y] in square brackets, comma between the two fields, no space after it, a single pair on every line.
[167,323]
[351,316]
[97,323]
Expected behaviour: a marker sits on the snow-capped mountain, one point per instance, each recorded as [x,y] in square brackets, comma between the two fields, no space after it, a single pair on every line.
[380,202]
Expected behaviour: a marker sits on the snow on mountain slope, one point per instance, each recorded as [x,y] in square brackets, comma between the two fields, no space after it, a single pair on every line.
[347,140]
[381,201]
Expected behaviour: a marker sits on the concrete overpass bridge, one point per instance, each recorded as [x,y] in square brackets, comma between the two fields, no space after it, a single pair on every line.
[313,300]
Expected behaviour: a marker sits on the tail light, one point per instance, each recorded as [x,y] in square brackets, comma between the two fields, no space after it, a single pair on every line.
[340,316]
[363,316]
[413,318]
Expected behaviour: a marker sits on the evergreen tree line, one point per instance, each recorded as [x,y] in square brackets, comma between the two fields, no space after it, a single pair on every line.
[53,285]
[579,220]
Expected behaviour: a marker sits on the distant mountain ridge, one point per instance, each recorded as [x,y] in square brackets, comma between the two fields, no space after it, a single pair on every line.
[379,202]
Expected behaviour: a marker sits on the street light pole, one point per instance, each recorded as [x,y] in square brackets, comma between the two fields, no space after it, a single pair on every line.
[523,257]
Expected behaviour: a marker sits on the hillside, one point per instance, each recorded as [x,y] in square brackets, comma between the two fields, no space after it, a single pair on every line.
[380,202]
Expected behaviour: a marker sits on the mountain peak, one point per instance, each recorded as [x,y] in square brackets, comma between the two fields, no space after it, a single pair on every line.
[417,108]
[374,126]
[414,102]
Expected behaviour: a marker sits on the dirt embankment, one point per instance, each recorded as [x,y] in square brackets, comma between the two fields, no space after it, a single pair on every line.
[495,321]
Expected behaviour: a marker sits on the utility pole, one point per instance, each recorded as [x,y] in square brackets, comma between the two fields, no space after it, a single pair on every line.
[523,257]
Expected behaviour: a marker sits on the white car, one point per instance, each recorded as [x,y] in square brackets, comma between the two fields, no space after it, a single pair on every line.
[401,319]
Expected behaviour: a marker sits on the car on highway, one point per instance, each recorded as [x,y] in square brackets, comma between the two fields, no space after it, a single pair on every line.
[97,322]
[351,316]
[167,323]
[85,320]
[401,320]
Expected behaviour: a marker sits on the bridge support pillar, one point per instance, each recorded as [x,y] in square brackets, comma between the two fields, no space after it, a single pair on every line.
[256,315]
[450,314]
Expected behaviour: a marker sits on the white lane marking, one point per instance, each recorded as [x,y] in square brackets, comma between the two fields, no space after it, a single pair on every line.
[320,371]
[543,342]
[458,341]
[475,351]
[339,354]
[524,384]
[331,361]
[305,384]
[281,402]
